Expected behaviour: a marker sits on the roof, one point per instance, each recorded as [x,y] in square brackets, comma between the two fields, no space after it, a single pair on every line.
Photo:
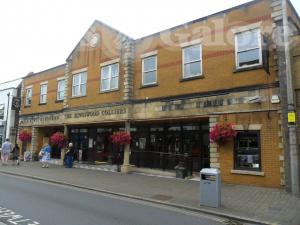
[10,84]
[43,71]
[95,23]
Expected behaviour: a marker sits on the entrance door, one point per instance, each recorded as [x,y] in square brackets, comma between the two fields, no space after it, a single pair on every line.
[79,138]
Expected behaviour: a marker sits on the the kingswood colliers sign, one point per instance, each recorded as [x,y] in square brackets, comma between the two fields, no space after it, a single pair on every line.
[92,115]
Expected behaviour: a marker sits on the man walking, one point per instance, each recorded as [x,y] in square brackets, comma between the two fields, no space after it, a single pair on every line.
[6,149]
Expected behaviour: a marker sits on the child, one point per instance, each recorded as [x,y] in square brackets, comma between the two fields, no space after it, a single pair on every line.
[15,152]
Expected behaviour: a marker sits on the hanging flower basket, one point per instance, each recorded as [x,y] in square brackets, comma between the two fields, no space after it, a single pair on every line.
[220,133]
[58,139]
[120,138]
[24,136]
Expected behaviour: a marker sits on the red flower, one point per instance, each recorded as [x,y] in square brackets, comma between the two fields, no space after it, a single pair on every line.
[24,136]
[121,138]
[58,139]
[220,133]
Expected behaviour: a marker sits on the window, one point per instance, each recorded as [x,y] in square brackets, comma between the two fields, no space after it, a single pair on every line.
[149,67]
[43,93]
[247,151]
[192,61]
[79,84]
[2,107]
[248,48]
[60,89]
[110,77]
[28,99]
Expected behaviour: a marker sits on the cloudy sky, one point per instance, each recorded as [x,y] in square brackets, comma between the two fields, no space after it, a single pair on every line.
[40,34]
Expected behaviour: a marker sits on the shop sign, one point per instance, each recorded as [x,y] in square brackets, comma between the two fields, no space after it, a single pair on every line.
[95,113]
[70,116]
[40,119]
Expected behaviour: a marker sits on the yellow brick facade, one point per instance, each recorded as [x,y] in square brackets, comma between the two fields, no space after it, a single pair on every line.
[173,99]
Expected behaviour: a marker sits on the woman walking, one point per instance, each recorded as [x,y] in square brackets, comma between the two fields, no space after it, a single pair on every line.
[69,156]
[45,153]
[15,153]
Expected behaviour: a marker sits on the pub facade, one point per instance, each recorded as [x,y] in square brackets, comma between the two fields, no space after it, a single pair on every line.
[169,89]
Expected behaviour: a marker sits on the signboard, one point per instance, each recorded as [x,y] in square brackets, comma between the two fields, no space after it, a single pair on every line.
[78,116]
[291,117]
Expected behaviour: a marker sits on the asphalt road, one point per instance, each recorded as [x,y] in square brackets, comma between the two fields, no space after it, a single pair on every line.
[29,202]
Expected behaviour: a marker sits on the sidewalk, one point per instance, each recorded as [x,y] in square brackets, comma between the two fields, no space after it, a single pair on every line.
[264,204]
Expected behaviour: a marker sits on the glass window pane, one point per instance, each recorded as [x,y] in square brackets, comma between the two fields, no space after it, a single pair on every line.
[114,83]
[114,70]
[247,151]
[83,89]
[104,85]
[150,63]
[75,80]
[105,72]
[192,69]
[248,58]
[83,78]
[149,77]
[75,90]
[192,53]
[60,96]
[247,40]
[43,89]
[29,93]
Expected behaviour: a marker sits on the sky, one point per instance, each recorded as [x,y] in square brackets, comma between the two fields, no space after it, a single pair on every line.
[40,34]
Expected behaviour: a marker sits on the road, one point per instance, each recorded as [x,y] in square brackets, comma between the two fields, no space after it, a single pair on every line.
[26,202]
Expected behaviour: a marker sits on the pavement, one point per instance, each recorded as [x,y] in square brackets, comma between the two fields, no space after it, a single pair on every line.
[251,205]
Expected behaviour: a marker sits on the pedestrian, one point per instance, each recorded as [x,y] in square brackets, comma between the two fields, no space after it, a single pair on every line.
[6,149]
[16,152]
[69,156]
[45,153]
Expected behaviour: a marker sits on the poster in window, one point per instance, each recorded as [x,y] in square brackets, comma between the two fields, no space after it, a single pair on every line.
[142,143]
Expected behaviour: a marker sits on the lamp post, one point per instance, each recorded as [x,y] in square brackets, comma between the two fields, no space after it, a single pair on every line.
[7,111]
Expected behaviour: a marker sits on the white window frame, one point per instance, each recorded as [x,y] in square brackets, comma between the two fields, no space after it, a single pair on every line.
[183,60]
[110,77]
[248,49]
[60,91]
[143,70]
[28,99]
[42,95]
[79,84]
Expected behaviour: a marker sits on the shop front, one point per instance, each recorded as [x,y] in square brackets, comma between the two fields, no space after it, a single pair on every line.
[164,145]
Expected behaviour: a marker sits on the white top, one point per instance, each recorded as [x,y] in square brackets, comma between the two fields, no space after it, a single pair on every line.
[210,171]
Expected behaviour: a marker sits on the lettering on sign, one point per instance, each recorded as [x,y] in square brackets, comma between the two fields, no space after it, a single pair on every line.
[40,119]
[105,112]
[55,118]
[10,217]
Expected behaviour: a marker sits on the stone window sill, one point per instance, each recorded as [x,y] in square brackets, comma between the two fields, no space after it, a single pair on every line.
[149,85]
[191,78]
[241,69]
[248,172]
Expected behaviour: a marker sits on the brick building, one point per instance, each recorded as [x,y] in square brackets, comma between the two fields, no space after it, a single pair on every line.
[169,89]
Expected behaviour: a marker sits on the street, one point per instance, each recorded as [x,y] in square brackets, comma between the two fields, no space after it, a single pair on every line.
[24,201]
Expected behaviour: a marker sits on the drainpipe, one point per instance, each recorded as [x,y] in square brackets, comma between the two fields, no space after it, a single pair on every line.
[294,163]
[7,116]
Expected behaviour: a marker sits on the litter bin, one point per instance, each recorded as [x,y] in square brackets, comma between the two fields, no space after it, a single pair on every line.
[180,170]
[210,187]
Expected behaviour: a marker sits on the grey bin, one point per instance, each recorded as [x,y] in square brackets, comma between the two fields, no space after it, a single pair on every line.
[210,187]
[180,171]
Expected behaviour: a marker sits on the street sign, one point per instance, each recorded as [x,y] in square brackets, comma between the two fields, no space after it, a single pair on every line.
[291,117]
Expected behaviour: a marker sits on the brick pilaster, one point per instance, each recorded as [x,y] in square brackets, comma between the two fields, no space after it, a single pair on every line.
[128,61]
[68,83]
[214,153]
